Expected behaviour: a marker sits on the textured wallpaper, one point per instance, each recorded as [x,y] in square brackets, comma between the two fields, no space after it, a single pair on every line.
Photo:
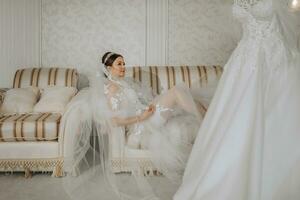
[201,32]
[78,32]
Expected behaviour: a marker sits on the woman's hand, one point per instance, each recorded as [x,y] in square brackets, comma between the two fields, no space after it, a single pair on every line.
[119,121]
[147,113]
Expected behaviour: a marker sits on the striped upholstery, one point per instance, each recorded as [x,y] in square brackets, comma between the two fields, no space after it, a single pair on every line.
[165,77]
[42,77]
[29,127]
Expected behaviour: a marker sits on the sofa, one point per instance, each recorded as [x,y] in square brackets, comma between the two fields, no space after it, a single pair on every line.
[44,150]
[160,79]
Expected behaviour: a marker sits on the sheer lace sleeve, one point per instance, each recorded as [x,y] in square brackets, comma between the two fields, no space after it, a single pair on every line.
[120,102]
[113,95]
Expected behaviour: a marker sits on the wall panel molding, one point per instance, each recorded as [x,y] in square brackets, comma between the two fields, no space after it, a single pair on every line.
[19,37]
[157,32]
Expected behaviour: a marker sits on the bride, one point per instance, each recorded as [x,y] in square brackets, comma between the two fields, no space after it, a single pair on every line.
[151,120]
[164,124]
[248,144]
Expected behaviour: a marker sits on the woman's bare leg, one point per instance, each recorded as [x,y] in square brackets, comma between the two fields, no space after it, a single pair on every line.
[179,96]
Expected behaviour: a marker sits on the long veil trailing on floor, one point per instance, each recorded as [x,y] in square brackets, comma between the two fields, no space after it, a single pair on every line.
[88,164]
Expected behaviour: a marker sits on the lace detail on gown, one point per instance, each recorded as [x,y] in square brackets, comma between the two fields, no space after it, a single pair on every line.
[261,35]
[256,19]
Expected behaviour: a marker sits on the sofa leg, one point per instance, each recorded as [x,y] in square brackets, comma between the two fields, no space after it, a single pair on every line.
[28,173]
[58,171]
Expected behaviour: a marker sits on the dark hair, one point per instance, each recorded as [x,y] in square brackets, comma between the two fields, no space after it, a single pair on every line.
[109,61]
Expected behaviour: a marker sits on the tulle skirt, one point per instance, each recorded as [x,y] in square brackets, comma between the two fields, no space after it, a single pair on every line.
[248,144]
[90,173]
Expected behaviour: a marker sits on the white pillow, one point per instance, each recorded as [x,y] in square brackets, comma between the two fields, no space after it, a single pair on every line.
[54,99]
[19,100]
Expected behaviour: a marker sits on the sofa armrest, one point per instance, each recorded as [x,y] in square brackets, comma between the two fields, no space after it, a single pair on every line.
[70,129]
[70,123]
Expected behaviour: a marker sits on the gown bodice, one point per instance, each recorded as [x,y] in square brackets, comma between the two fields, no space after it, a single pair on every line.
[262,36]
[258,20]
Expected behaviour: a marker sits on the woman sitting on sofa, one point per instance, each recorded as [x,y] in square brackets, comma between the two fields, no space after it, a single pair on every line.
[166,125]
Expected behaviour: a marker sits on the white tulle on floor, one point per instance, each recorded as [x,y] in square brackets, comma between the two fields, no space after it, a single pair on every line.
[168,135]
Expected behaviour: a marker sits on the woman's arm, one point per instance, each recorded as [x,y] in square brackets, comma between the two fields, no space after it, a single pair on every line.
[119,121]
[114,103]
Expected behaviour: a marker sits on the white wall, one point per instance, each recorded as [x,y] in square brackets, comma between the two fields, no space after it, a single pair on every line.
[77,33]
[19,37]
[147,32]
[174,32]
[201,32]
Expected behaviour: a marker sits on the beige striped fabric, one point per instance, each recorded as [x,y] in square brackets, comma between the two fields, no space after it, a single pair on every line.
[43,77]
[29,127]
[165,77]
[146,75]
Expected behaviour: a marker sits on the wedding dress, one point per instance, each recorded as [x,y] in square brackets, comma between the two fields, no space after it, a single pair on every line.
[248,144]
[168,134]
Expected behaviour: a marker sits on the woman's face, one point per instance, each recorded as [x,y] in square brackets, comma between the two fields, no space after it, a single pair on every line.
[118,68]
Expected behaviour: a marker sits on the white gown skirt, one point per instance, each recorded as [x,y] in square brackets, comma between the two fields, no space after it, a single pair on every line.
[248,144]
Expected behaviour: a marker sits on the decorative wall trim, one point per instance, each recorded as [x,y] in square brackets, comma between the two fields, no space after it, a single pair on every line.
[19,37]
[157,20]
[41,35]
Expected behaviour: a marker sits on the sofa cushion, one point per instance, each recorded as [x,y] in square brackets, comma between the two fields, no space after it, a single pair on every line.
[162,78]
[44,77]
[148,76]
[54,99]
[19,100]
[29,127]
